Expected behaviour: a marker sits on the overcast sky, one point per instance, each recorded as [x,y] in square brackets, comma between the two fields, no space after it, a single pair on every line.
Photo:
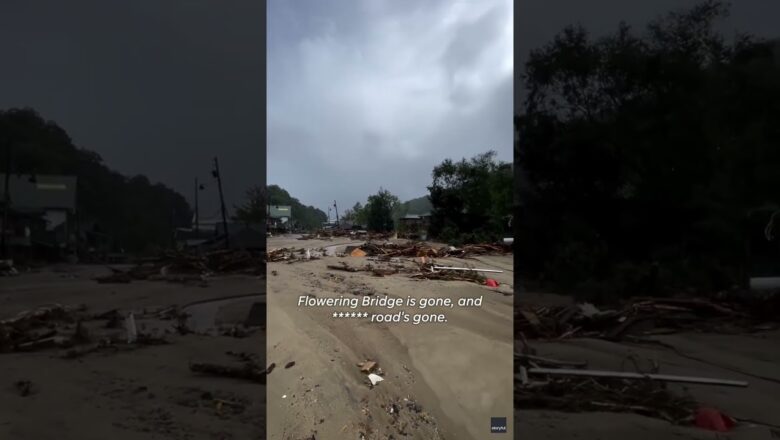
[155,87]
[364,94]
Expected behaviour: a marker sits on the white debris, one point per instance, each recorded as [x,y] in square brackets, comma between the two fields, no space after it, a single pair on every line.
[132,332]
[375,379]
[588,310]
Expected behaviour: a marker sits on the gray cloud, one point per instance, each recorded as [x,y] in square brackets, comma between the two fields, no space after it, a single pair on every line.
[369,94]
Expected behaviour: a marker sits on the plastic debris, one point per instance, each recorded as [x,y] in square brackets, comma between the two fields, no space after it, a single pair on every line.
[713,420]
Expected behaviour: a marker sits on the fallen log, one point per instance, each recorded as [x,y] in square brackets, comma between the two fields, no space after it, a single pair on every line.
[344,268]
[247,372]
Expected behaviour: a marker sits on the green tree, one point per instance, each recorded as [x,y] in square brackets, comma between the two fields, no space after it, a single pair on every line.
[379,211]
[254,208]
[644,152]
[471,200]
[137,215]
[305,217]
[357,214]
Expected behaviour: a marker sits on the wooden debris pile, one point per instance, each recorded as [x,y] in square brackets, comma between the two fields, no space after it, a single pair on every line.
[38,328]
[283,254]
[578,394]
[249,369]
[292,255]
[421,249]
[327,234]
[184,266]
[62,327]
[375,270]
[543,383]
[640,316]
[428,271]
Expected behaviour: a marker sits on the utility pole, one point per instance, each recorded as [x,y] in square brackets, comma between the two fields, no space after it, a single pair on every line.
[329,214]
[6,200]
[218,176]
[173,227]
[197,218]
[337,213]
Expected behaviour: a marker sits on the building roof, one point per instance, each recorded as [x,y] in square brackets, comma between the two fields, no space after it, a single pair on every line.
[44,191]
[415,216]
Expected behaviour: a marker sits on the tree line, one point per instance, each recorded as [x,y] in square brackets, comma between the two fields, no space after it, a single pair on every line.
[468,201]
[137,214]
[258,198]
[649,158]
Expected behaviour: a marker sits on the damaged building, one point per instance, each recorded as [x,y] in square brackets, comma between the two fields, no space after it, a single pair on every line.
[40,216]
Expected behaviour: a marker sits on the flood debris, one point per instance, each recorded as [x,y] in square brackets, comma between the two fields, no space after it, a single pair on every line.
[568,385]
[132,332]
[37,329]
[69,328]
[467,269]
[573,393]
[292,255]
[375,379]
[249,371]
[427,271]
[327,234]
[7,268]
[24,387]
[344,267]
[237,331]
[186,267]
[712,419]
[421,249]
[638,316]
[367,366]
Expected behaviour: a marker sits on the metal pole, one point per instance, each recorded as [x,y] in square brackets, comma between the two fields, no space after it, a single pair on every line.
[222,203]
[337,212]
[6,201]
[197,218]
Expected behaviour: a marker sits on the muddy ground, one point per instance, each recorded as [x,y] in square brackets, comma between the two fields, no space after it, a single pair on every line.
[441,381]
[146,392]
[751,357]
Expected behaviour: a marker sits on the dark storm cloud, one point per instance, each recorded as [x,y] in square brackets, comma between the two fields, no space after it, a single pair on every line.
[374,93]
[155,87]
[539,21]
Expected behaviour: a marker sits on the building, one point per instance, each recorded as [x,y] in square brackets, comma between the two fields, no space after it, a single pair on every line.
[415,225]
[279,218]
[41,213]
